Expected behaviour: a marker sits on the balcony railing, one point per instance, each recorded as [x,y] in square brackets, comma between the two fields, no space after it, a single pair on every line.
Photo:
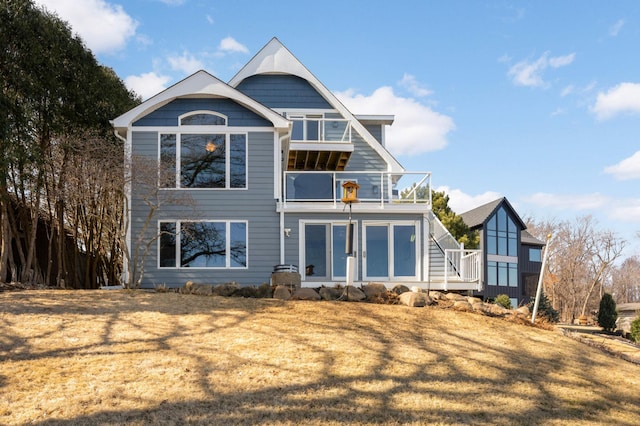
[317,130]
[463,265]
[382,188]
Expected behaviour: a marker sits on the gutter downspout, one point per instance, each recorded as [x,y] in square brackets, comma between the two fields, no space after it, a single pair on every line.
[280,198]
[126,214]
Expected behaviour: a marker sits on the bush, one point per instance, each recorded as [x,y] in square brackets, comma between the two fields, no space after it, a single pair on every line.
[607,314]
[635,330]
[545,310]
[503,300]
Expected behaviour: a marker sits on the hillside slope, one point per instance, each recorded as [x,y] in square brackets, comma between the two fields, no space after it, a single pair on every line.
[122,357]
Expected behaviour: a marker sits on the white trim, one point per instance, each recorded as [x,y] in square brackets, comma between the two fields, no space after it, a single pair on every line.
[227,222]
[221,130]
[203,112]
[328,250]
[391,224]
[200,84]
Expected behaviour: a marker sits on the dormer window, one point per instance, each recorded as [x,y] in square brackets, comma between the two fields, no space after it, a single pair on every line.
[203,118]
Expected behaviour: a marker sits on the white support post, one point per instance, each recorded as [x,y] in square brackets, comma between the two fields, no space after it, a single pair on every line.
[539,289]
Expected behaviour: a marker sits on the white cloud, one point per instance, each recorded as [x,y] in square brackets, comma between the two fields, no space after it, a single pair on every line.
[626,211]
[147,84]
[614,30]
[461,202]
[410,83]
[104,27]
[625,97]
[187,63]
[230,45]
[416,129]
[173,2]
[526,73]
[627,169]
[574,202]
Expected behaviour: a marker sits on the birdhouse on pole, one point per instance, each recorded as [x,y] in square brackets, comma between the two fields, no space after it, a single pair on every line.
[350,192]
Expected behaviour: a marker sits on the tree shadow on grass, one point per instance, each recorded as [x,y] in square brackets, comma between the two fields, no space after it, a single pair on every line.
[347,363]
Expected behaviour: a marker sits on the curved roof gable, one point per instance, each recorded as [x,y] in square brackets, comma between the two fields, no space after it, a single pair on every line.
[199,84]
[275,58]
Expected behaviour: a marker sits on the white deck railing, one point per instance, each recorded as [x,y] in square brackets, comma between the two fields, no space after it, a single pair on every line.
[382,188]
[308,129]
[463,265]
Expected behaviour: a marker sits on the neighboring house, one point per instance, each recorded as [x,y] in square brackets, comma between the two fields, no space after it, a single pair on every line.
[263,158]
[627,313]
[512,257]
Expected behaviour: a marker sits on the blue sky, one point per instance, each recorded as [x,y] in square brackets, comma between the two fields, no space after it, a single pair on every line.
[538,101]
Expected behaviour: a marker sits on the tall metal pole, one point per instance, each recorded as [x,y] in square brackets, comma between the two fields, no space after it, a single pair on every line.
[539,289]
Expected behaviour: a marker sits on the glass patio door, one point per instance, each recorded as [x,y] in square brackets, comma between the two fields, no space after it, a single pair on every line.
[324,251]
[390,251]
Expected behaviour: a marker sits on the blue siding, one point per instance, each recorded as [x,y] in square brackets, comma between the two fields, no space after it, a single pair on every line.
[256,205]
[375,130]
[283,91]
[238,115]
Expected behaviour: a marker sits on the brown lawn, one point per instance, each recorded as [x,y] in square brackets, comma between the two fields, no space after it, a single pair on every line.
[138,358]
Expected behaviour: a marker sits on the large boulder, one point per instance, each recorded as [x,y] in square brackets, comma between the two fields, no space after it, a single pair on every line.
[330,293]
[226,289]
[400,288]
[282,292]
[305,294]
[352,294]
[373,291]
[414,299]
[462,305]
[455,297]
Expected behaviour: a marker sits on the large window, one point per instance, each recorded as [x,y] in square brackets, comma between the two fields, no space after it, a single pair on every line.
[502,274]
[196,158]
[203,244]
[502,235]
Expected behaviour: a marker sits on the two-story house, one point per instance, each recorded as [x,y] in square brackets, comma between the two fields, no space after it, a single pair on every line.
[512,257]
[263,159]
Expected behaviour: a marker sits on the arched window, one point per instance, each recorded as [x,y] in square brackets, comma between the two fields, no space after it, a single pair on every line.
[203,118]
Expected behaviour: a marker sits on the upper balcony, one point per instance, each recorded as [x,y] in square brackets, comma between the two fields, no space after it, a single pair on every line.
[319,143]
[317,190]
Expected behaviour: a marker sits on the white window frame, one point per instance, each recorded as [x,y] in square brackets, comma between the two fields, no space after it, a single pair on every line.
[202,130]
[227,222]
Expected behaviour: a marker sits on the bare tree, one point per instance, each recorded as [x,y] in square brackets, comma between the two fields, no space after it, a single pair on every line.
[625,281]
[148,179]
[580,261]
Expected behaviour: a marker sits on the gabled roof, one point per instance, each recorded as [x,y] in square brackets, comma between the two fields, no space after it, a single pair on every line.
[527,238]
[275,58]
[477,217]
[199,84]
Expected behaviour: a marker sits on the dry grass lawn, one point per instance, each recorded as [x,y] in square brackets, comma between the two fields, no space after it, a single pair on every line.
[138,358]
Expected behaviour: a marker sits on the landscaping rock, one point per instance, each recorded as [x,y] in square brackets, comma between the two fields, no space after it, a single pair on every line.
[282,292]
[414,299]
[474,300]
[497,310]
[373,290]
[456,297]
[226,289]
[305,294]
[523,310]
[202,289]
[399,289]
[352,294]
[330,293]
[436,295]
[462,305]
[247,291]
